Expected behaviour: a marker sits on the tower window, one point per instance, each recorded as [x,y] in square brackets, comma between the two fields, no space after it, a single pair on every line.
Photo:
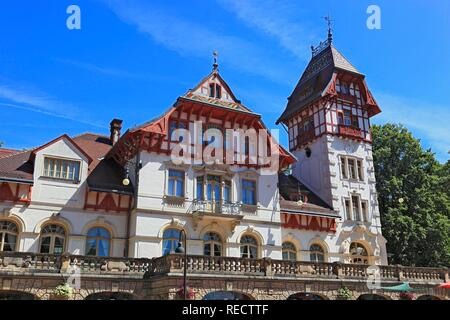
[218,91]
[215,90]
[351,168]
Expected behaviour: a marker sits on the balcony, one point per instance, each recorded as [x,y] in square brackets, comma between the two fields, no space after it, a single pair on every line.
[305,137]
[215,207]
[349,131]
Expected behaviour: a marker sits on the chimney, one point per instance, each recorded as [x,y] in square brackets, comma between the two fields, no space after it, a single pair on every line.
[115,127]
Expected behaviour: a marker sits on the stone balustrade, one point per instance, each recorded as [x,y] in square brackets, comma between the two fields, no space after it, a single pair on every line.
[24,262]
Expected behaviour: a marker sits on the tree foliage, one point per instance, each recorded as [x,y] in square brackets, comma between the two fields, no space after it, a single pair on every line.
[414,198]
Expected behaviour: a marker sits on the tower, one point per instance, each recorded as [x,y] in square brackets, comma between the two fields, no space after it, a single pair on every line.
[328,121]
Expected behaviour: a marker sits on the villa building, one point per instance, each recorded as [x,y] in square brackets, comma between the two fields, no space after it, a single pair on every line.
[256,220]
[124,196]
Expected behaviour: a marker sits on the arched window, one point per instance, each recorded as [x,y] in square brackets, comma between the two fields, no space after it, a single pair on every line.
[249,247]
[171,238]
[212,245]
[8,236]
[289,251]
[359,253]
[53,238]
[98,242]
[316,253]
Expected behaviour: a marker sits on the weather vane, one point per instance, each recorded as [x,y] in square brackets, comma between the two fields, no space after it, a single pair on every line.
[215,55]
[330,27]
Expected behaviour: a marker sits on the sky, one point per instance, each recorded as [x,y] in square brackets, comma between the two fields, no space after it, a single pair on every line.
[132,59]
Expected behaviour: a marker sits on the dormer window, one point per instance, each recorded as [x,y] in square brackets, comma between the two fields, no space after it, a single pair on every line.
[61,169]
[215,90]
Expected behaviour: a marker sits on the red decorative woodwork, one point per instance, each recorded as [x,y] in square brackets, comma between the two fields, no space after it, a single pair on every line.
[306,222]
[6,193]
[154,136]
[109,203]
[22,192]
[305,137]
[350,131]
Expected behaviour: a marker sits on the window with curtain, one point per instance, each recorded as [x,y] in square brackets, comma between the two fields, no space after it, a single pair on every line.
[249,247]
[200,189]
[227,191]
[176,183]
[249,192]
[8,236]
[53,238]
[212,244]
[171,238]
[289,251]
[98,242]
[213,187]
[316,253]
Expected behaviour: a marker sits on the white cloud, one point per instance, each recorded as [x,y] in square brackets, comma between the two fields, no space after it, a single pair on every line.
[430,123]
[192,39]
[278,19]
[31,99]
[101,70]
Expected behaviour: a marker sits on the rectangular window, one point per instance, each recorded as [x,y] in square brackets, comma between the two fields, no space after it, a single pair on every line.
[176,183]
[364,211]
[211,90]
[348,210]
[62,169]
[355,121]
[360,170]
[344,168]
[200,190]
[227,191]
[347,118]
[249,192]
[355,208]
[340,117]
[218,91]
[351,168]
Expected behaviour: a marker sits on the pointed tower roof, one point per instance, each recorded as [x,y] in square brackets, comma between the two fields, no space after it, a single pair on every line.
[325,62]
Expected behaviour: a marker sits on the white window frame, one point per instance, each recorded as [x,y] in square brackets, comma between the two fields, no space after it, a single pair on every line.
[345,168]
[351,214]
[49,157]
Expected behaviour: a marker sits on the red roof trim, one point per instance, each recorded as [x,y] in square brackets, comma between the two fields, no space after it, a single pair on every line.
[64,136]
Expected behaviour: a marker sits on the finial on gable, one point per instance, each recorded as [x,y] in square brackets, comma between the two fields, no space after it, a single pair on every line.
[215,65]
[330,28]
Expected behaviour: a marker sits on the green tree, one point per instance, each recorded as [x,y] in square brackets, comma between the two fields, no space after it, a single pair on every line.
[414,198]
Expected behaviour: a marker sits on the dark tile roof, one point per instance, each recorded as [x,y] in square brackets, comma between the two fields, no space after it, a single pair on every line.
[95,145]
[17,166]
[7,152]
[315,79]
[20,165]
[108,176]
[290,187]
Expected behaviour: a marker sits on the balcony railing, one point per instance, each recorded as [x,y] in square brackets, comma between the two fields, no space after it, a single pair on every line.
[349,131]
[215,207]
[16,263]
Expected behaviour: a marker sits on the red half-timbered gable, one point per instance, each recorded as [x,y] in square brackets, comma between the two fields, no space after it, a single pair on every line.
[218,112]
[332,98]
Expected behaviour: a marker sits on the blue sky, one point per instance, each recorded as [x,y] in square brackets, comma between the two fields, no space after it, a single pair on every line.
[132,59]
